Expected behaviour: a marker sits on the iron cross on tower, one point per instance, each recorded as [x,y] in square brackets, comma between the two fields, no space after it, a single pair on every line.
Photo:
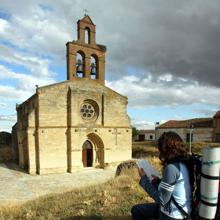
[85,12]
[116,135]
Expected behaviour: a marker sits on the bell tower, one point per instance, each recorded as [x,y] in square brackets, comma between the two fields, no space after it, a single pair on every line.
[85,58]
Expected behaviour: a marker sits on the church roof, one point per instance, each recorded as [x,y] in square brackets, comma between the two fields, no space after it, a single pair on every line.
[82,84]
[86,19]
[26,101]
[196,122]
[217,115]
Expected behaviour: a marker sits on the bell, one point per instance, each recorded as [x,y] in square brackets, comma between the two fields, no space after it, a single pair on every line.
[93,69]
[79,66]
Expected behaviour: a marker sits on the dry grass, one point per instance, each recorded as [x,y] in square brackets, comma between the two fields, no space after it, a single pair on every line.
[114,198]
[149,148]
[144,149]
[198,146]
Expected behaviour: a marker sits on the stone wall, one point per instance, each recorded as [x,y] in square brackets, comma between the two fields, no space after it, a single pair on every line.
[6,150]
[216,132]
[147,136]
[26,118]
[54,123]
[199,134]
[52,138]
[6,154]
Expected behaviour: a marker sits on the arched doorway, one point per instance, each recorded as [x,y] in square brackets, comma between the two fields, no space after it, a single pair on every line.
[87,154]
[98,149]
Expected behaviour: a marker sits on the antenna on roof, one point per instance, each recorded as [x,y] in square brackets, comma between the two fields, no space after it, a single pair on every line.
[85,12]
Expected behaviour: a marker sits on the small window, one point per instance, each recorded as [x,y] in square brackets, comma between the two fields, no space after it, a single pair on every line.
[87,36]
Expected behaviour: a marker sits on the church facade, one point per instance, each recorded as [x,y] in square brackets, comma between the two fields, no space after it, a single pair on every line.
[77,123]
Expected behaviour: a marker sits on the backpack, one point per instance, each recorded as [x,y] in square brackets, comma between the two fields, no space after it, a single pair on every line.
[194,164]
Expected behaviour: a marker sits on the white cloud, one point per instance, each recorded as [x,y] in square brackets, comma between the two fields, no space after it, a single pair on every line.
[7,121]
[3,105]
[10,92]
[143,124]
[34,64]
[208,112]
[23,86]
[3,25]
[146,93]
[25,83]
[177,38]
[8,118]
[177,44]
[37,31]
[166,77]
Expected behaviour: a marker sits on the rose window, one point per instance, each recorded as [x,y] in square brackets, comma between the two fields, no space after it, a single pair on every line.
[87,111]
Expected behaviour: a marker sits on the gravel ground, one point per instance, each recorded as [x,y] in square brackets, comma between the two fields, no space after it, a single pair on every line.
[17,186]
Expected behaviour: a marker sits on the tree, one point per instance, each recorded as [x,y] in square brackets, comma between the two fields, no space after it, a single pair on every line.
[134,131]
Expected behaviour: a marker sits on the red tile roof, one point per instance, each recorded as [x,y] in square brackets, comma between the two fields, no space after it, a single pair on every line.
[217,115]
[145,131]
[196,122]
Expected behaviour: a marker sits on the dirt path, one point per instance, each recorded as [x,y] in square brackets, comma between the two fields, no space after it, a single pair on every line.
[17,186]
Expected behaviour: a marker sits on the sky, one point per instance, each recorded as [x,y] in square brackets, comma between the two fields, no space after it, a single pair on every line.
[163,55]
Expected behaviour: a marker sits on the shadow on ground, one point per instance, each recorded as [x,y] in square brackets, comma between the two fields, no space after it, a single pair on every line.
[98,218]
[13,166]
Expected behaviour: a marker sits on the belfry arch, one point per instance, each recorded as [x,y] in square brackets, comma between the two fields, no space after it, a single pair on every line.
[80,64]
[87,35]
[91,62]
[94,66]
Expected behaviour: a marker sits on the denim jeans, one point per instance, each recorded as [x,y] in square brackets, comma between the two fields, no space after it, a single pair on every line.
[145,211]
[148,211]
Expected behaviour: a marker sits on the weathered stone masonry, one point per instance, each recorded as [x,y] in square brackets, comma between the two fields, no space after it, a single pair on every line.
[77,123]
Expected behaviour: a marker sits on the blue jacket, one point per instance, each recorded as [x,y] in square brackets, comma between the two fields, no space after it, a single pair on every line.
[175,182]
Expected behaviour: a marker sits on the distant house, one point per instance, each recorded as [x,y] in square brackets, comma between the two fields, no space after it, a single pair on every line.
[216,127]
[5,139]
[145,135]
[201,129]
[6,150]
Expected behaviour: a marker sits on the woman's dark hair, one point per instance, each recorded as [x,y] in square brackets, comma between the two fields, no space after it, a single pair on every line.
[170,146]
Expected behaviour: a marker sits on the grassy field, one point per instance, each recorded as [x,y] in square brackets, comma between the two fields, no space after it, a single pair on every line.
[149,148]
[105,201]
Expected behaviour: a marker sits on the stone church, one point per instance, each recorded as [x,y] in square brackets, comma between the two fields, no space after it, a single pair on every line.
[77,123]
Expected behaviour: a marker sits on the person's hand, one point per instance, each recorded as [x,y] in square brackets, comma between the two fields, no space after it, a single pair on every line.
[141,172]
[155,177]
[155,180]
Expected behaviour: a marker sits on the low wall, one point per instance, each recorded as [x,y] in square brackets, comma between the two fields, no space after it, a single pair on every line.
[6,154]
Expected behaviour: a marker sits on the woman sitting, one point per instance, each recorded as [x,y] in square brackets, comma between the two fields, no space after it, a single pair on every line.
[174,188]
